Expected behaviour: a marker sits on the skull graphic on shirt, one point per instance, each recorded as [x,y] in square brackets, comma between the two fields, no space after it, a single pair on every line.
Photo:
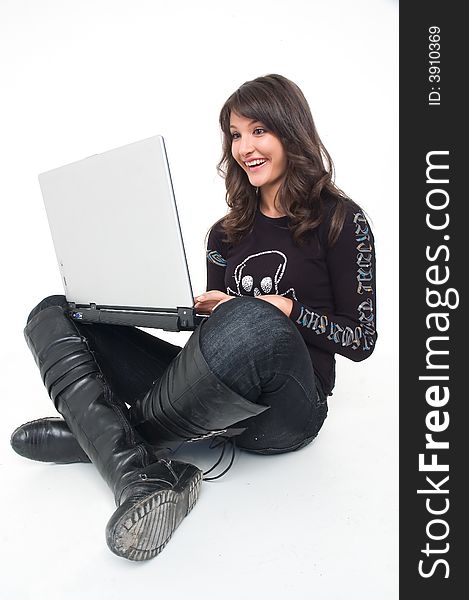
[272,265]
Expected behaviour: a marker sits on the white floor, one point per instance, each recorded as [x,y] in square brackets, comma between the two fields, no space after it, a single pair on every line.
[321,522]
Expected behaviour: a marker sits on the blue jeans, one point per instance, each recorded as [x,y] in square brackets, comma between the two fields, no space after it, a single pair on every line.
[248,344]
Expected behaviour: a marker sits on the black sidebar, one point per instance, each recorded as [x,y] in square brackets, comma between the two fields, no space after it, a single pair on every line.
[434,334]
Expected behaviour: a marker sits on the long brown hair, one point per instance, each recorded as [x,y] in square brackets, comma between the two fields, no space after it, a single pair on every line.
[280,105]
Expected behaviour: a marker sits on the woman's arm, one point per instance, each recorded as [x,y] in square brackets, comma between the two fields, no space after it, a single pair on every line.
[215,276]
[216,261]
[350,329]
[216,267]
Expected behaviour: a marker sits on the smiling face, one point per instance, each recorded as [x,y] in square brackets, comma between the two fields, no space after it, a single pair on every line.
[259,152]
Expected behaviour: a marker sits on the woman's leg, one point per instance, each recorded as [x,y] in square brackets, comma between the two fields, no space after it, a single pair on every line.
[130,359]
[250,359]
[258,352]
[153,496]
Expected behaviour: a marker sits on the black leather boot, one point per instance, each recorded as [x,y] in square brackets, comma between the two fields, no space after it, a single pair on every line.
[48,440]
[173,411]
[152,496]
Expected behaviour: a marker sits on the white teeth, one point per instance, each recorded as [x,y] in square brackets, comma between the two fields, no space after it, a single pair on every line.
[253,163]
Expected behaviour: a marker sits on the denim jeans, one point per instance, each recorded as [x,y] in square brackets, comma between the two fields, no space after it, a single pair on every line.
[248,344]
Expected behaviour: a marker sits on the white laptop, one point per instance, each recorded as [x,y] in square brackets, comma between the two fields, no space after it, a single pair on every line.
[117,238]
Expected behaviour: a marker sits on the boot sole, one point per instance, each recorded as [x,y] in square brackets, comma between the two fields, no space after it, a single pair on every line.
[141,531]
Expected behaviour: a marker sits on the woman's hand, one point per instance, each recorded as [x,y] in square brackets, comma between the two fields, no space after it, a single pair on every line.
[208,301]
[282,303]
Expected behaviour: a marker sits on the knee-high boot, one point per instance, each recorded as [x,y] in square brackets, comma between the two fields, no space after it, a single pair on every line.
[153,496]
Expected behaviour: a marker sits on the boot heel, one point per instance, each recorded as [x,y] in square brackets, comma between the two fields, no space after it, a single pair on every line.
[140,530]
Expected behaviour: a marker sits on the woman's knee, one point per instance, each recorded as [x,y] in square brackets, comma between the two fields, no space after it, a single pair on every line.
[249,314]
[249,326]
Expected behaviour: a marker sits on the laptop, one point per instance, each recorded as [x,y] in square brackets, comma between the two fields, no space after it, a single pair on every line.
[117,237]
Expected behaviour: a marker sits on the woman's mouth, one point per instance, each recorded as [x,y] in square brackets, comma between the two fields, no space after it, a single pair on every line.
[255,165]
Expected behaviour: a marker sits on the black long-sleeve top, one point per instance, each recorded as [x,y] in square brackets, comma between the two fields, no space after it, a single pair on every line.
[332,287]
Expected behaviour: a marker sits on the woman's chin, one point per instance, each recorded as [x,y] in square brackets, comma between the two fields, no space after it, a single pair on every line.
[256,181]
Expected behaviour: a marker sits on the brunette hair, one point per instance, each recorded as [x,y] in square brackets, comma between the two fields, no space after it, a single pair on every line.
[280,105]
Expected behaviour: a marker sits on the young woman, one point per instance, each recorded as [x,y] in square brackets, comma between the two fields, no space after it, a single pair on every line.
[290,282]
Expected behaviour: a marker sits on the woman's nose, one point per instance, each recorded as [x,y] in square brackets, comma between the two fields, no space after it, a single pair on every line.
[246,147]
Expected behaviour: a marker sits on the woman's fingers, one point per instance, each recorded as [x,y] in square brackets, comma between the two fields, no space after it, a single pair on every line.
[205,305]
[208,301]
[213,295]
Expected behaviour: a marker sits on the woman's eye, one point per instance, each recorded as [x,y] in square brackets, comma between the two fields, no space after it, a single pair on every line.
[257,131]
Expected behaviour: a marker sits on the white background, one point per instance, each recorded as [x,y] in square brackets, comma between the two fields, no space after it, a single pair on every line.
[82,77]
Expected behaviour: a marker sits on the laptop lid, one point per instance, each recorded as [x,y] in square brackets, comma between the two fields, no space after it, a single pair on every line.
[116,230]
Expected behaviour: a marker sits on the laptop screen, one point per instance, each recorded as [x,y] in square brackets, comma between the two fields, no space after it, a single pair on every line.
[116,230]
